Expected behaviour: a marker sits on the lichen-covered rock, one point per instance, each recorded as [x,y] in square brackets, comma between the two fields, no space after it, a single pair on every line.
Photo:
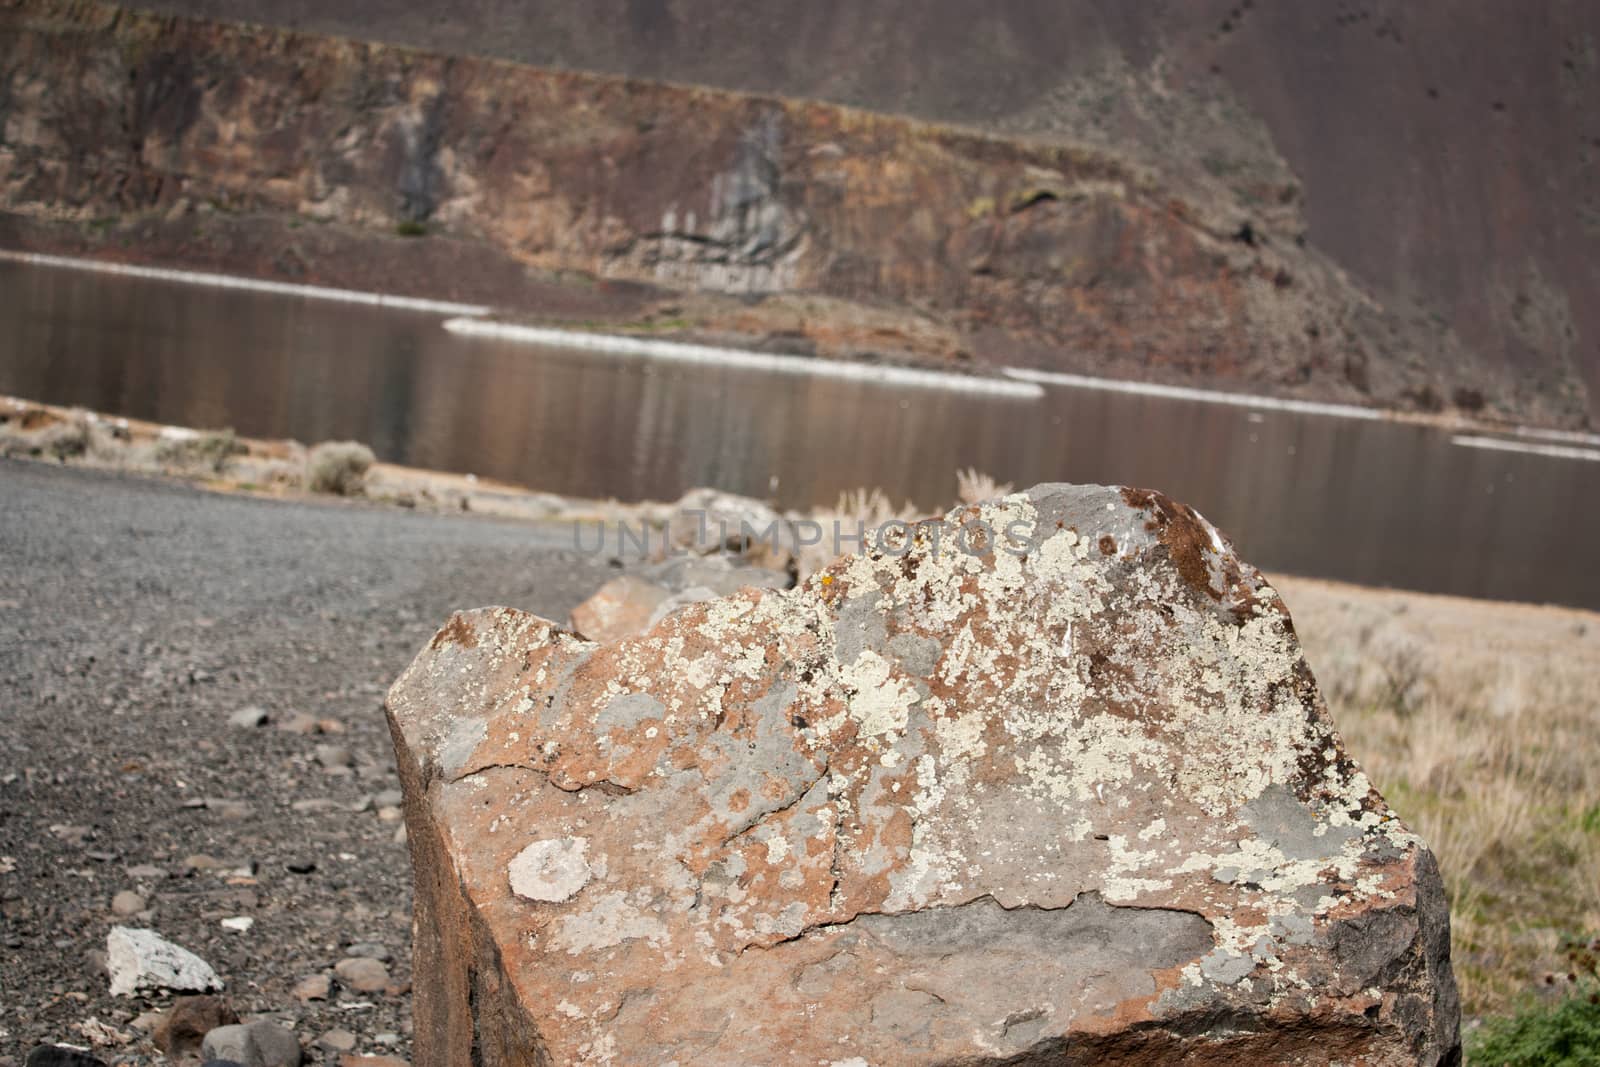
[1052,783]
[631,603]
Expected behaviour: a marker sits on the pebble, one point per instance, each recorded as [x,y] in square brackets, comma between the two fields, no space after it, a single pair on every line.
[313,987]
[333,757]
[239,924]
[369,948]
[316,804]
[262,1043]
[362,974]
[182,1028]
[199,861]
[62,1056]
[300,723]
[145,871]
[127,903]
[338,1040]
[249,717]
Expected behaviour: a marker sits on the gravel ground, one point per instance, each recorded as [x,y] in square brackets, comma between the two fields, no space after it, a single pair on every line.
[136,617]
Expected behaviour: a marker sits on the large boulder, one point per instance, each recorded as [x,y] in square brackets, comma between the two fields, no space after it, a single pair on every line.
[1050,784]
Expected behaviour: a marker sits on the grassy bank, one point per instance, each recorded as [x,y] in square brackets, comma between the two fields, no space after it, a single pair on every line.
[1477,720]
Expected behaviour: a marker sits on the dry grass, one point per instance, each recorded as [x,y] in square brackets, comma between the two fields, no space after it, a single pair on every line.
[974,487]
[1480,722]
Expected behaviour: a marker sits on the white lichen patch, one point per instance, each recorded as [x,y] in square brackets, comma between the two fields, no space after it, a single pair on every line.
[879,701]
[551,871]
[610,921]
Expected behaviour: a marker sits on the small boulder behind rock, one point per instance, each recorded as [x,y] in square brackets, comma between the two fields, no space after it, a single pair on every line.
[262,1043]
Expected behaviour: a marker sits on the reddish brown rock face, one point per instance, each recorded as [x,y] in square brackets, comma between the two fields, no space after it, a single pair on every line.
[1070,796]
[895,237]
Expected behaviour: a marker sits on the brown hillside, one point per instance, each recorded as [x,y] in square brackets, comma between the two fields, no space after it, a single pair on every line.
[1095,252]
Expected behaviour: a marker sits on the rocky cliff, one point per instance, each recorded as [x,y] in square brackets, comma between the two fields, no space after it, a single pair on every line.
[1445,150]
[286,154]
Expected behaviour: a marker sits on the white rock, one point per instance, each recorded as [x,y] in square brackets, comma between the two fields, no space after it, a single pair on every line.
[144,960]
[238,923]
[552,870]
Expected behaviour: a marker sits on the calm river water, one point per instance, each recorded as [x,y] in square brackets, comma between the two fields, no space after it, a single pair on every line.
[1367,501]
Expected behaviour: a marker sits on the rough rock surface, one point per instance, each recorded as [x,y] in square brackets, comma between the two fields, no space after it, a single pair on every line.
[262,1043]
[143,960]
[1071,796]
[633,602]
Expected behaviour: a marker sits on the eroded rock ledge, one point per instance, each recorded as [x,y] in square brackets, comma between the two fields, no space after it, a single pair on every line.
[1067,796]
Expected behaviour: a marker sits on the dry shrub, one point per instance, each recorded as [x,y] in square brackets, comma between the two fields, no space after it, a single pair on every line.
[339,467]
[205,453]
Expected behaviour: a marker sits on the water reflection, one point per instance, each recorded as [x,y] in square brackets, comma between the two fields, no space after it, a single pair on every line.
[1364,501]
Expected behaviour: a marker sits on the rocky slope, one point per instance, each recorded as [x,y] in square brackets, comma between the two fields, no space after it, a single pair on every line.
[283,154]
[1445,152]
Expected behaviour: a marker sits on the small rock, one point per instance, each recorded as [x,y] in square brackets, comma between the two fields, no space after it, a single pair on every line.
[145,871]
[145,1022]
[201,862]
[316,804]
[390,814]
[127,903]
[143,960]
[337,1040]
[300,723]
[232,810]
[313,987]
[362,974]
[250,717]
[368,948]
[330,726]
[239,924]
[262,1043]
[183,1028]
[62,1056]
[333,755]
[619,608]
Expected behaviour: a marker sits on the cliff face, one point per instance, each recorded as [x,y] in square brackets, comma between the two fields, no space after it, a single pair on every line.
[1446,148]
[1030,251]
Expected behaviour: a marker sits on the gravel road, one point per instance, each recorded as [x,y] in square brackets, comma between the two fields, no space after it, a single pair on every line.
[136,617]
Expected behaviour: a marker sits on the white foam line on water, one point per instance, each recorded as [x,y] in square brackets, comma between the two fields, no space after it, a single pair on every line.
[686,352]
[1502,445]
[1571,437]
[1204,396]
[230,281]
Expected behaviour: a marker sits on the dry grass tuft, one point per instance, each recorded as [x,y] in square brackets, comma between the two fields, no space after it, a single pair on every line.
[974,487]
[1478,722]
[859,509]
